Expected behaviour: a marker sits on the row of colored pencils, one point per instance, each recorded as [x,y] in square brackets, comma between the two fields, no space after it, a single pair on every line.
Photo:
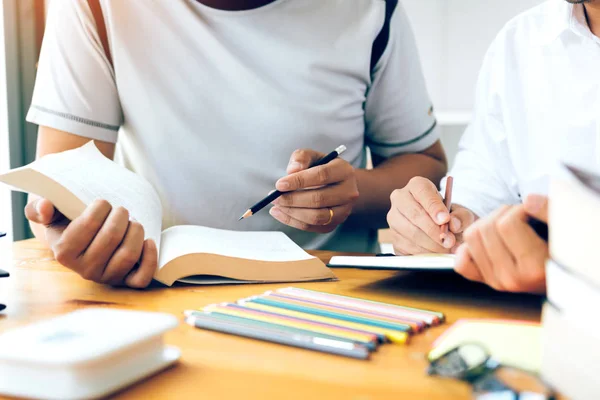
[341,325]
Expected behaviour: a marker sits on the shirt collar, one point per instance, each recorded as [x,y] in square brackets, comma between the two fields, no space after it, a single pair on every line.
[564,17]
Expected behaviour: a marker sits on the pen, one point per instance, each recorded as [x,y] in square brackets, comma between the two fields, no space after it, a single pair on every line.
[447,202]
[274,195]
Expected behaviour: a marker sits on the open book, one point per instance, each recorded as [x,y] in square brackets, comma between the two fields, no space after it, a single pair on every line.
[73,179]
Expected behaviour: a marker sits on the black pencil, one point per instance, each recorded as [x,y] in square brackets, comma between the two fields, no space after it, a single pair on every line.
[274,195]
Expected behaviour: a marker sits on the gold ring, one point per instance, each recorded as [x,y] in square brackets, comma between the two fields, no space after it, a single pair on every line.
[330,217]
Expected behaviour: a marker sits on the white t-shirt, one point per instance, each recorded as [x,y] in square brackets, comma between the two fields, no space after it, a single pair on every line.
[208,105]
[537,105]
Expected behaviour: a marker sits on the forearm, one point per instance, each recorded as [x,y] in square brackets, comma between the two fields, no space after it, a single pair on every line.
[375,186]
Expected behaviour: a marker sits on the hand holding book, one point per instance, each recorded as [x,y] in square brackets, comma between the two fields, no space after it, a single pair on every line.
[105,222]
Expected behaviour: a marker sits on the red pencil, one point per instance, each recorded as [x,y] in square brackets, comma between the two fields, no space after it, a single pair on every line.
[448,203]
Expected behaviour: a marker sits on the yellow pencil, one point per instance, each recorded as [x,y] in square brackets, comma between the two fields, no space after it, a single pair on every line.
[341,332]
[393,336]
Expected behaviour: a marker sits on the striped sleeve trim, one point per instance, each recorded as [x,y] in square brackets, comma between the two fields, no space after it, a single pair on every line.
[77,119]
[406,143]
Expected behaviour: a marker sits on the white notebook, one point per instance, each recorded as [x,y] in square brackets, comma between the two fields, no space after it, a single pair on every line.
[425,262]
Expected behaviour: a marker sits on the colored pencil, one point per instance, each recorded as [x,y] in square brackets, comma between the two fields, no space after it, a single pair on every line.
[266,325]
[279,336]
[414,325]
[447,203]
[362,337]
[326,313]
[431,317]
[391,335]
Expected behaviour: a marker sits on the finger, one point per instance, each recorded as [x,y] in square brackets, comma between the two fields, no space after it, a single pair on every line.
[302,159]
[328,196]
[503,264]
[479,255]
[460,219]
[126,256]
[427,195]
[142,276]
[404,227]
[404,246]
[466,266]
[528,249]
[405,204]
[42,211]
[97,255]
[537,206]
[333,172]
[80,232]
[303,226]
[317,216]
[54,232]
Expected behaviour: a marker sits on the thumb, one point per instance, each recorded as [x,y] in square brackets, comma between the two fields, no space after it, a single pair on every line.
[460,219]
[302,159]
[537,206]
[41,211]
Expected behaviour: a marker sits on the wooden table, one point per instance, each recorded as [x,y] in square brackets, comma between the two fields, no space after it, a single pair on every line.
[215,366]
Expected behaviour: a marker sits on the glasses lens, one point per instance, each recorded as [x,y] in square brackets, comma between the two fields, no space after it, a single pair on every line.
[458,363]
[505,383]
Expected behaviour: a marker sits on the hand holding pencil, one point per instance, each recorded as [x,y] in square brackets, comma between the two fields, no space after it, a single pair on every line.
[317,195]
[422,221]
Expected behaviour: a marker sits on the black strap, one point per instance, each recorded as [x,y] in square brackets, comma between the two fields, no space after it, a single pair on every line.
[382,39]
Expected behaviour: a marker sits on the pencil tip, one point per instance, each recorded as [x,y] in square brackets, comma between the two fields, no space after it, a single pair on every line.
[245,215]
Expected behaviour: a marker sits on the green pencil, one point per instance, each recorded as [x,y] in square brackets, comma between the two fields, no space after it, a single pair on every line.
[331,314]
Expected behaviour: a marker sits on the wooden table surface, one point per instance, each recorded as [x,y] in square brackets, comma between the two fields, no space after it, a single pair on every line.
[215,366]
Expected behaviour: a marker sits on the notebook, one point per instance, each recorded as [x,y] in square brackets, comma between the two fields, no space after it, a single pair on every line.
[512,343]
[73,179]
[425,262]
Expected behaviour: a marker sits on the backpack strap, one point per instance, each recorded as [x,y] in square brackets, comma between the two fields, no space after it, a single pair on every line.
[382,39]
[96,9]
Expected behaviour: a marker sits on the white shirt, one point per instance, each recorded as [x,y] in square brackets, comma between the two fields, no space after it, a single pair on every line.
[208,105]
[537,104]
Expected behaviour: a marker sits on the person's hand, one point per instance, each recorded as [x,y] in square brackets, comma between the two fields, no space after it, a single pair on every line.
[504,252]
[317,199]
[416,217]
[101,245]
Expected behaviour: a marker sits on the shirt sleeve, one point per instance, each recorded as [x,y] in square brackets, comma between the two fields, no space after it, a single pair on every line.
[398,112]
[75,89]
[484,175]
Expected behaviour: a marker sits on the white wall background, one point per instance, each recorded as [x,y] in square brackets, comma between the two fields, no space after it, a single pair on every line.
[453,37]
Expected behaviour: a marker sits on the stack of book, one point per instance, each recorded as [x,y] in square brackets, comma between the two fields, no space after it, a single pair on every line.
[571,333]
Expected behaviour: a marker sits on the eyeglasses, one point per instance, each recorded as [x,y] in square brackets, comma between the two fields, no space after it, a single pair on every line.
[472,363]
[3,274]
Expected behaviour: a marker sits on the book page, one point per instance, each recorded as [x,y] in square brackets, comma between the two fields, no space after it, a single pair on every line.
[420,262]
[88,175]
[178,241]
